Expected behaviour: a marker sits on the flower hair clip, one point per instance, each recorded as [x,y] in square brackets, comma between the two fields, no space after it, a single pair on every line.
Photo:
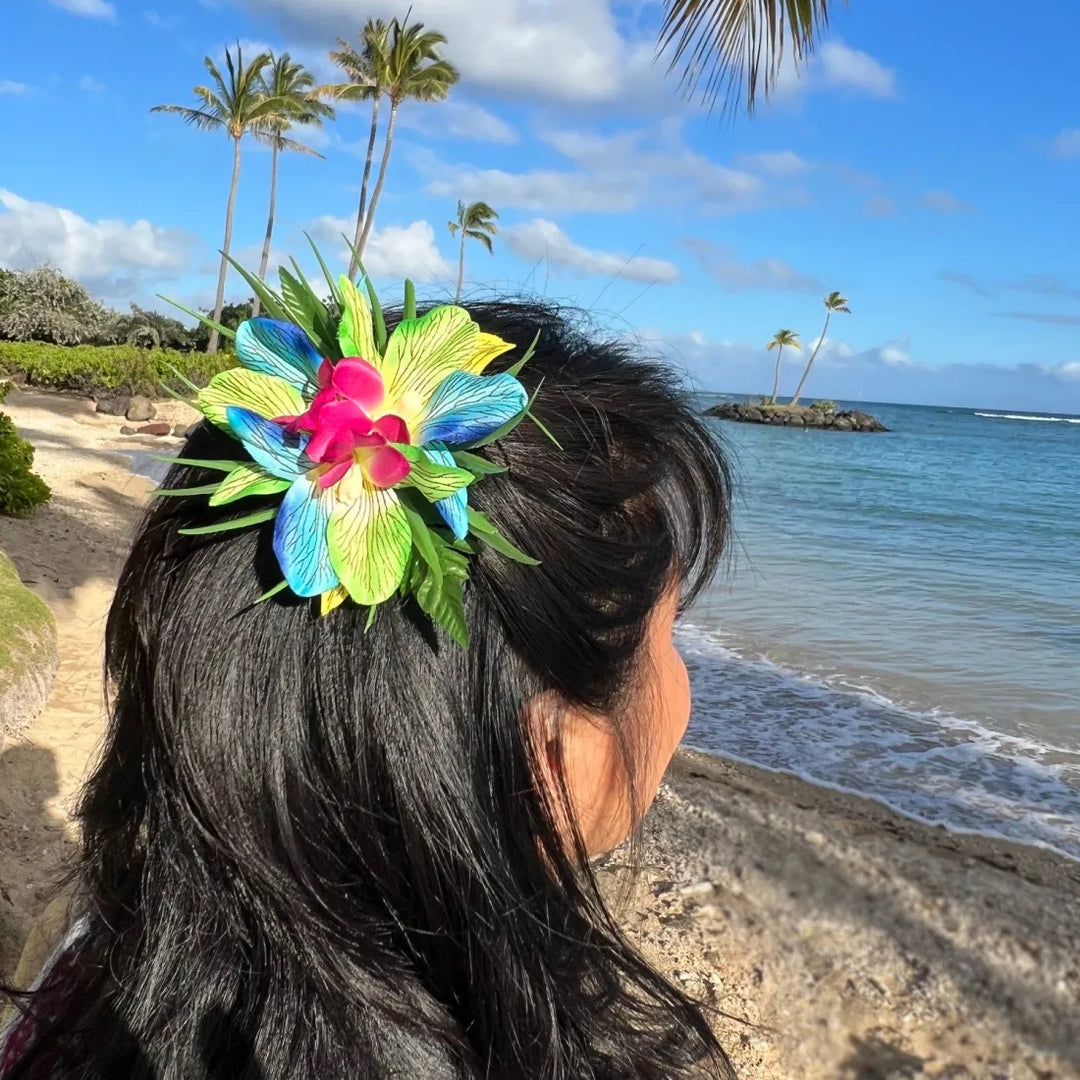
[367,438]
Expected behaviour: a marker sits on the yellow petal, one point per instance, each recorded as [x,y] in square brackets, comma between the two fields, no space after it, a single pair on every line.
[265,395]
[370,540]
[422,352]
[488,346]
[332,599]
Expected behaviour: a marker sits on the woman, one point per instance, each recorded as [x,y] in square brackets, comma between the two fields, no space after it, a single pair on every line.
[344,845]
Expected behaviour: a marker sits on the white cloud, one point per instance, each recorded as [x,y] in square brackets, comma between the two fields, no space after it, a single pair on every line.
[944,202]
[567,50]
[89,85]
[162,22]
[1066,143]
[9,86]
[841,67]
[395,251]
[112,258]
[94,9]
[542,239]
[880,206]
[775,163]
[459,120]
[613,174]
[724,265]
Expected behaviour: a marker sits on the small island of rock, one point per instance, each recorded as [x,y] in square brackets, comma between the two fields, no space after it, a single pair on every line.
[804,416]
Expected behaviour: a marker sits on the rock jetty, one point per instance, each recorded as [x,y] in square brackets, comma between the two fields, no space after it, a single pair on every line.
[802,416]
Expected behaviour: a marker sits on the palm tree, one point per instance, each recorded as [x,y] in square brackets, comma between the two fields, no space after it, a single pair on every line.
[727,49]
[781,339]
[365,68]
[236,105]
[475,222]
[833,302]
[291,84]
[413,69]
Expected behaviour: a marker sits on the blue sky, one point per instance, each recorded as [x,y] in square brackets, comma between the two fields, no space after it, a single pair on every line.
[926,164]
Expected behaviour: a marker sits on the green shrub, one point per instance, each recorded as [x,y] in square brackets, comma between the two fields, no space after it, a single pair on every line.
[5,387]
[21,490]
[145,329]
[43,305]
[104,369]
[825,406]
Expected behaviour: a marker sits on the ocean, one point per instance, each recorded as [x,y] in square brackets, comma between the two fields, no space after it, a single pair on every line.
[901,616]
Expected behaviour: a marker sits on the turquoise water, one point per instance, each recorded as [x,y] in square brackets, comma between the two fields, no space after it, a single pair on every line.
[902,616]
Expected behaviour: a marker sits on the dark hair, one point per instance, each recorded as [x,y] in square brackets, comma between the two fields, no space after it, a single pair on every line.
[311,851]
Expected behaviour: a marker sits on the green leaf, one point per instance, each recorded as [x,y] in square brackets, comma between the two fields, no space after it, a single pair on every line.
[323,325]
[271,302]
[482,527]
[298,302]
[477,465]
[515,369]
[335,292]
[424,542]
[370,617]
[536,420]
[444,604]
[377,315]
[355,334]
[183,378]
[247,479]
[409,310]
[280,587]
[235,523]
[509,426]
[217,466]
[224,331]
[205,489]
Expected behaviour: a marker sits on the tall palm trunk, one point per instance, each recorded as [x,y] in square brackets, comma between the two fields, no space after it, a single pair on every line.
[461,268]
[370,219]
[256,307]
[810,362]
[364,184]
[219,303]
[776,381]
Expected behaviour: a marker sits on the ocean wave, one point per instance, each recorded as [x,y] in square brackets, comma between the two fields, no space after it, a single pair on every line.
[932,766]
[1022,416]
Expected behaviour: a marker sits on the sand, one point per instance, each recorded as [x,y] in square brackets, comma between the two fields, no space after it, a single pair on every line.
[832,937]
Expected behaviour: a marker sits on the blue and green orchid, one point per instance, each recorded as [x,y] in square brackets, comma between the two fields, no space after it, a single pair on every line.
[367,438]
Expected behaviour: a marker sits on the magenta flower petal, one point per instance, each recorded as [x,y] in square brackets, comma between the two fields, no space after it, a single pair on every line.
[359,381]
[326,374]
[386,467]
[336,471]
[392,428]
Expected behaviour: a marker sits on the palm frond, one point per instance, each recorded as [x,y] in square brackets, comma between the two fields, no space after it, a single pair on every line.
[484,239]
[197,118]
[729,51]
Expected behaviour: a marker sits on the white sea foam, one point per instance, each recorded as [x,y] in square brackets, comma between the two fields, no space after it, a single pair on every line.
[1021,416]
[934,767]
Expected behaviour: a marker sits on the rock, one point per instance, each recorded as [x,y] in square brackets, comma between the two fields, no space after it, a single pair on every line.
[141,408]
[796,420]
[774,417]
[795,416]
[842,423]
[28,656]
[127,429]
[113,406]
[159,428]
[182,431]
[751,415]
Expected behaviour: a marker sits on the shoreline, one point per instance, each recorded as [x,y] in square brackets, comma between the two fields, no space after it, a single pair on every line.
[847,940]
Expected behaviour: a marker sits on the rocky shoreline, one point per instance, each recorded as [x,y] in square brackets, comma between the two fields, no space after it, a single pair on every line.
[803,416]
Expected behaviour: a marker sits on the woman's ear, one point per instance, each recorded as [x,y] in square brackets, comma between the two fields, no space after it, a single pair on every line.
[578,751]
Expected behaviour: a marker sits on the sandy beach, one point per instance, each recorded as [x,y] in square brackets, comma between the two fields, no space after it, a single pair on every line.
[834,938]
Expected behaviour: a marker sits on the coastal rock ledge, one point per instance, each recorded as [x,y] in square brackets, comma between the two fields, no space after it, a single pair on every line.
[803,416]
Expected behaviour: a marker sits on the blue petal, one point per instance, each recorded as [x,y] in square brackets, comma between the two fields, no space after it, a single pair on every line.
[455,508]
[300,538]
[270,444]
[279,348]
[467,407]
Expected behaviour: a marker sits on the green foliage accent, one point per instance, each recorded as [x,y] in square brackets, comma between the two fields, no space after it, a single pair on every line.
[515,369]
[21,489]
[409,310]
[480,526]
[825,406]
[477,465]
[440,592]
[432,480]
[103,369]
[233,523]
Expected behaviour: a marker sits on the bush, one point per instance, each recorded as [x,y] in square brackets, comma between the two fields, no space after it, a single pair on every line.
[21,489]
[232,315]
[825,406]
[106,369]
[43,305]
[145,329]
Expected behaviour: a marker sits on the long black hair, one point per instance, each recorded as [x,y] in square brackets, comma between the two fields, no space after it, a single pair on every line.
[315,851]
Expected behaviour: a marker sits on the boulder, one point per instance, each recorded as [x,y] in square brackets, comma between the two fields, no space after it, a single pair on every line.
[140,409]
[796,420]
[182,431]
[159,428]
[127,429]
[751,415]
[842,423]
[28,655]
[113,406]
